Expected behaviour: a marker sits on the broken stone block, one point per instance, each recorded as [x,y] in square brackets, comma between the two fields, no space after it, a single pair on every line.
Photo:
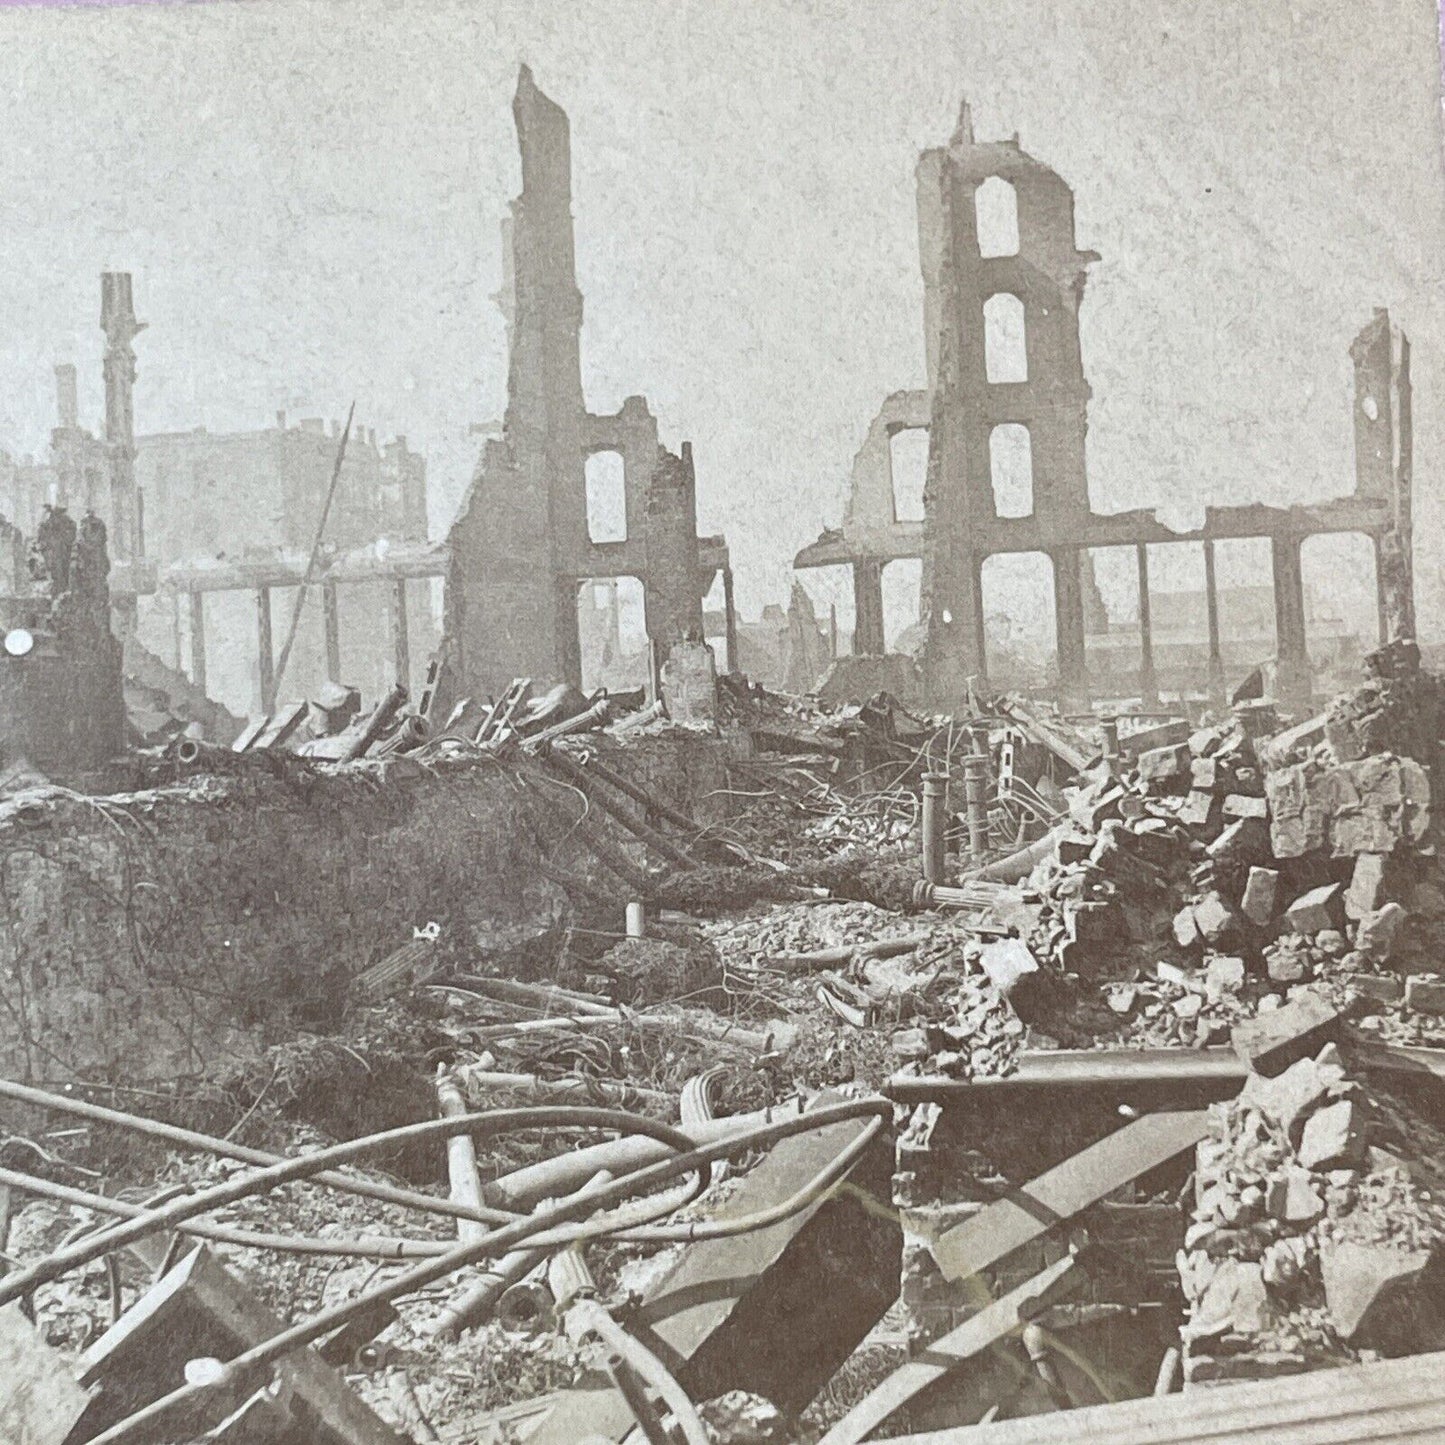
[738,1418]
[1016,975]
[1293,1198]
[1159,768]
[1368,806]
[1333,1137]
[1291,1098]
[1223,976]
[1425,995]
[1384,988]
[910,1044]
[1271,1041]
[1243,838]
[1198,809]
[1235,1301]
[1258,901]
[1315,911]
[1376,1295]
[1204,741]
[1366,892]
[1203,773]
[1286,964]
[1377,932]
[1217,922]
[1186,928]
[1241,805]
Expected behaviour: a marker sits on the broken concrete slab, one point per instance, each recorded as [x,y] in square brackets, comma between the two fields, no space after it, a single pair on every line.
[1334,1137]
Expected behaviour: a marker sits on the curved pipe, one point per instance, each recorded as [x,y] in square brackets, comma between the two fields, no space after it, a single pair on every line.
[142,1426]
[21,1282]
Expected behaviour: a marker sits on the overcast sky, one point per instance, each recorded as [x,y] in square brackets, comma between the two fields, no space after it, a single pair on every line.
[309,196]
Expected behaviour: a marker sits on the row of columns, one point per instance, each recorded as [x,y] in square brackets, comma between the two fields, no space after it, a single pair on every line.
[1293,684]
[398,627]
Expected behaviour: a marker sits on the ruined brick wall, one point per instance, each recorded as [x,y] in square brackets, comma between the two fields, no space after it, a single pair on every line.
[146,935]
[151,934]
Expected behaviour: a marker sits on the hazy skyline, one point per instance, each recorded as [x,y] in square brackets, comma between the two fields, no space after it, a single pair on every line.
[309,196]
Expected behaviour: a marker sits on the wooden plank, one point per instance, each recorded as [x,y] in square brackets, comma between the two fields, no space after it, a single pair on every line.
[249,734]
[775,1311]
[199,1309]
[1006,1225]
[995,1322]
[39,1402]
[1391,1400]
[280,727]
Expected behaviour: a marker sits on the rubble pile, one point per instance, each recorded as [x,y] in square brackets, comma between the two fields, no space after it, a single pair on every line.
[738,941]
[1316,1229]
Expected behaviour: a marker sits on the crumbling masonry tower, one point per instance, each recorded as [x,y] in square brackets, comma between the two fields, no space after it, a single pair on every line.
[521,545]
[1004,363]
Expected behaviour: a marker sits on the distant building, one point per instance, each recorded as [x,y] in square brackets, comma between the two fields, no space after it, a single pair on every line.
[240,496]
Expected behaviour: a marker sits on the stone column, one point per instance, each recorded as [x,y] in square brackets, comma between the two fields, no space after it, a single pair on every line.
[868,640]
[331,622]
[672,601]
[198,639]
[1211,602]
[1148,679]
[1069,631]
[400,634]
[730,619]
[1292,677]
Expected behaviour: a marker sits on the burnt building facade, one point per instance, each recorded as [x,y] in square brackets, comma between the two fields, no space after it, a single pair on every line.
[1006,414]
[524,541]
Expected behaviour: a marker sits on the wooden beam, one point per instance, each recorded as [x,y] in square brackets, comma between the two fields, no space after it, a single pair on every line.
[199,1309]
[993,1324]
[1006,1225]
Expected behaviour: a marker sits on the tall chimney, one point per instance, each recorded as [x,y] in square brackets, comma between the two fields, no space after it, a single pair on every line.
[117,319]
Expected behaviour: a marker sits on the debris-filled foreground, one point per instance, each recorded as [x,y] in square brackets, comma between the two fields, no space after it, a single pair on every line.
[799,1075]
